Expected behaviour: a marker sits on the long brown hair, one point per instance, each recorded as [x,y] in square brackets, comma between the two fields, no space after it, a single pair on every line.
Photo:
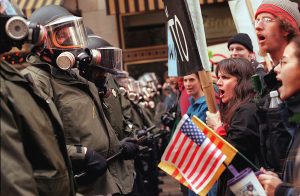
[243,92]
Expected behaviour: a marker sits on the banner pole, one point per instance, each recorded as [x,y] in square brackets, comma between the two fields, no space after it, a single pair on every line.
[208,90]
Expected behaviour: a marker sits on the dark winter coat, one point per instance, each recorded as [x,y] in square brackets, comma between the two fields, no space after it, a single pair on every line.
[243,134]
[291,174]
[84,124]
[34,159]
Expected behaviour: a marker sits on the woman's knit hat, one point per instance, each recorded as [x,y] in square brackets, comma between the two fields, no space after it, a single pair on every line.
[283,9]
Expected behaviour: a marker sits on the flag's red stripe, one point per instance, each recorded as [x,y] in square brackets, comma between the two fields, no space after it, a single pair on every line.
[212,138]
[220,145]
[172,146]
[210,170]
[185,153]
[205,131]
[191,159]
[180,148]
[175,173]
[182,180]
[205,165]
[199,159]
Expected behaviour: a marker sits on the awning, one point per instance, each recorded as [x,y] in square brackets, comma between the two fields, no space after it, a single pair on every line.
[28,6]
[136,6]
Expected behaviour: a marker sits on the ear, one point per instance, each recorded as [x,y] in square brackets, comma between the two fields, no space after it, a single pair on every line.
[252,56]
[286,33]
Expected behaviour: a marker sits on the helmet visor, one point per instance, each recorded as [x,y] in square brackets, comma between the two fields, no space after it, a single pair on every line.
[66,33]
[111,59]
[133,86]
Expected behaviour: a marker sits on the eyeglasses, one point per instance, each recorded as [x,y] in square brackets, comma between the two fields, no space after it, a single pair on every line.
[263,20]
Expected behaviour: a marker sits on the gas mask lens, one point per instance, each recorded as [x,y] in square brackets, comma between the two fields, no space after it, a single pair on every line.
[66,33]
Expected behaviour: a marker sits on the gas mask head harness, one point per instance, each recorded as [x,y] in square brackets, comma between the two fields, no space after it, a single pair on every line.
[15,30]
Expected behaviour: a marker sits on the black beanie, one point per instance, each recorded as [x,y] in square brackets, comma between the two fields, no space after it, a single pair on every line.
[243,39]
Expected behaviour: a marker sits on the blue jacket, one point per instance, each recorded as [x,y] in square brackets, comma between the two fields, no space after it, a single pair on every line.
[197,108]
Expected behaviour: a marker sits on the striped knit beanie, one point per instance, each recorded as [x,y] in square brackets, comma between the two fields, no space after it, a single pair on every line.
[283,9]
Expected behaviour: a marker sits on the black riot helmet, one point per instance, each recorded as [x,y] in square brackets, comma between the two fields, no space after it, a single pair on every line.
[49,13]
[111,57]
[15,30]
[66,36]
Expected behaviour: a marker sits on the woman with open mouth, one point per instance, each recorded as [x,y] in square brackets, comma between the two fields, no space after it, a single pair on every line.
[288,73]
[238,117]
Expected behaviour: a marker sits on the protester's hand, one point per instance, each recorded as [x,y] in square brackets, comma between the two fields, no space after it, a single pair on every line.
[213,120]
[269,181]
[264,171]
[130,148]
[96,164]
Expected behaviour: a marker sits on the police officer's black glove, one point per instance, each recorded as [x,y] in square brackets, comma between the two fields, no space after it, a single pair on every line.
[130,148]
[96,164]
[141,133]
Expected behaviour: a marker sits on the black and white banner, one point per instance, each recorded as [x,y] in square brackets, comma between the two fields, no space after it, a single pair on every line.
[186,27]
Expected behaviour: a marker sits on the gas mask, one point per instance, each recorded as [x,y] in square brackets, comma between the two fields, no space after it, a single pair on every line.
[15,30]
[78,58]
[133,90]
[66,44]
[105,59]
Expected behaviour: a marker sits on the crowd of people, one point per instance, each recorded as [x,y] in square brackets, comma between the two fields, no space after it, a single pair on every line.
[74,123]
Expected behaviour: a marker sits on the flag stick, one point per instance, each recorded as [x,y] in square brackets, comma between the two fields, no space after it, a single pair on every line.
[246,159]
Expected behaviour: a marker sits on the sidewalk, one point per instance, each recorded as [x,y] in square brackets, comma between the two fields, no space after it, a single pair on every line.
[170,187]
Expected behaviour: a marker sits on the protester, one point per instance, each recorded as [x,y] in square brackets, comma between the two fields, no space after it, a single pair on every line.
[198,107]
[240,46]
[276,22]
[238,121]
[34,159]
[89,135]
[288,73]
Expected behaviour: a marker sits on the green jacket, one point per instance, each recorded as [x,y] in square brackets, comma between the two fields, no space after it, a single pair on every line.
[141,118]
[84,123]
[34,159]
[115,103]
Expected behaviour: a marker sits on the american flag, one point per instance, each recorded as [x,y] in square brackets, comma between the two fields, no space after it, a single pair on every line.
[193,154]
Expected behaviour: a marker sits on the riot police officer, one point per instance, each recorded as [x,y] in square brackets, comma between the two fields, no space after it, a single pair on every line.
[34,158]
[91,140]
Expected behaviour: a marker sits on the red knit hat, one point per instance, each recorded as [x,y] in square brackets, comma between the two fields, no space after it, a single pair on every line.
[283,9]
